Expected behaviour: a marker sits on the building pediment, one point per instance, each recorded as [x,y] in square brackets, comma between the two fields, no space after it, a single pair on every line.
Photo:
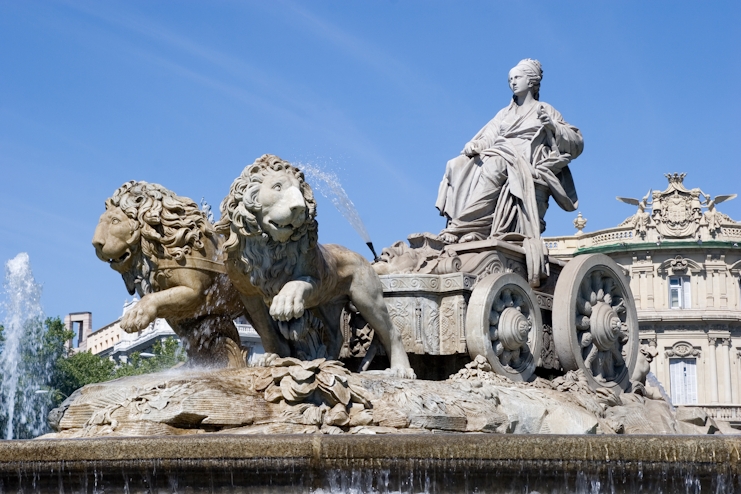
[679,265]
[683,349]
[735,268]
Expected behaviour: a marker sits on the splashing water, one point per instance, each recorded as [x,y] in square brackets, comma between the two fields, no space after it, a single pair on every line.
[22,408]
[328,185]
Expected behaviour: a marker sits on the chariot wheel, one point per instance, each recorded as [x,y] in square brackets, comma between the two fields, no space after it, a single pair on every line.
[504,324]
[595,324]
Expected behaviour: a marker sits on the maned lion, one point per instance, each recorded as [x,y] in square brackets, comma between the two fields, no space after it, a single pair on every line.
[166,250]
[269,222]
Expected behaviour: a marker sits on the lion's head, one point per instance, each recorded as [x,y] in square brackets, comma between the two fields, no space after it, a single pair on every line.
[269,220]
[144,222]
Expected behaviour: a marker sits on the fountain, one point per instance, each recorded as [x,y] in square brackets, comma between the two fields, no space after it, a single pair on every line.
[533,379]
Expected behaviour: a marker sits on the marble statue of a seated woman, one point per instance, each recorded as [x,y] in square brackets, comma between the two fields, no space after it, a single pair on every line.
[501,182]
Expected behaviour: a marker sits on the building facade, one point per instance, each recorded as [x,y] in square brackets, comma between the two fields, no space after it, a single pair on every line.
[683,258]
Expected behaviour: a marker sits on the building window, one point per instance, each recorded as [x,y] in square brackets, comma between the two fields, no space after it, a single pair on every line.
[679,292]
[683,379]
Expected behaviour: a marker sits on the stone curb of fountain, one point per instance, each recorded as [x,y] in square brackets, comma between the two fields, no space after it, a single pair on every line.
[710,450]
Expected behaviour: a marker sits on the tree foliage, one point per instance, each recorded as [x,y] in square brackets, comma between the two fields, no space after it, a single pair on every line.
[167,354]
[80,369]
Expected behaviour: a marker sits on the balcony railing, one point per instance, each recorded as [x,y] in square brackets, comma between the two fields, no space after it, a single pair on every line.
[721,412]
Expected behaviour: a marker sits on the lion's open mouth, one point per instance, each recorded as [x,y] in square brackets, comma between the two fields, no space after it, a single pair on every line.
[280,227]
[120,259]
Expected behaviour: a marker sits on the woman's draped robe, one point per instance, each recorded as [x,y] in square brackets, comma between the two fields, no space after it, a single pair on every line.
[494,193]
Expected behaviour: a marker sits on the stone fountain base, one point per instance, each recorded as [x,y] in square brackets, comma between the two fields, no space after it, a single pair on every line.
[299,397]
[322,397]
[434,463]
[315,427]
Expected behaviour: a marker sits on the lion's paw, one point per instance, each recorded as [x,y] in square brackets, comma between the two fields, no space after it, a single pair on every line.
[403,372]
[289,303]
[393,372]
[264,360]
[139,316]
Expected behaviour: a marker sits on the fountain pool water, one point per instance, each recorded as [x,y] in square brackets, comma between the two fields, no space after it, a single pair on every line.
[23,412]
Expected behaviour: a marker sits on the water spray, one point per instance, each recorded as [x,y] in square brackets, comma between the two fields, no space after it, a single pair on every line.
[23,410]
[328,184]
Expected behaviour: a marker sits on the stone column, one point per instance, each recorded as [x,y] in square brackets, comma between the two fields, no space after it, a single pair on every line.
[727,388]
[713,370]
[650,289]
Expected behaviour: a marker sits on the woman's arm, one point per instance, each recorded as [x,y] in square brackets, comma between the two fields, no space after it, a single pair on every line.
[568,138]
[485,137]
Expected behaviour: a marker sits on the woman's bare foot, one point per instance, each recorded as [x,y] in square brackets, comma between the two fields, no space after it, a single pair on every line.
[448,238]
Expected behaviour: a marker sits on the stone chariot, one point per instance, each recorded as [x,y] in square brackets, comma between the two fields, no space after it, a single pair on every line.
[474,298]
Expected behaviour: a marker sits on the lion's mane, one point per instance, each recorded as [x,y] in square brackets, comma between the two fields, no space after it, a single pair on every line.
[168,226]
[268,263]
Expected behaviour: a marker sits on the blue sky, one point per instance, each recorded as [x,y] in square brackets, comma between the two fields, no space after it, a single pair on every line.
[382,93]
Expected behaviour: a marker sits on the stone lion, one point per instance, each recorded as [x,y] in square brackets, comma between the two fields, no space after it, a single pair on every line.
[269,223]
[166,250]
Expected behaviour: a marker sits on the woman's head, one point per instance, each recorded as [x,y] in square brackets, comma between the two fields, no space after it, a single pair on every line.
[534,72]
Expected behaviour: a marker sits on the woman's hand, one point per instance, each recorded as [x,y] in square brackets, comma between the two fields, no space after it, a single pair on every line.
[472,148]
[546,119]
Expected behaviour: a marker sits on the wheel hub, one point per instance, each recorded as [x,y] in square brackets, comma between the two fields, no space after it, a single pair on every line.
[605,326]
[513,328]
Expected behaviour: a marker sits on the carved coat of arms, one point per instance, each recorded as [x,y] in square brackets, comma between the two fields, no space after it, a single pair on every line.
[677,211]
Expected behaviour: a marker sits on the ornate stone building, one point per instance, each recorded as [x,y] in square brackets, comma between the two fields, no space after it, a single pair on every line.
[683,258]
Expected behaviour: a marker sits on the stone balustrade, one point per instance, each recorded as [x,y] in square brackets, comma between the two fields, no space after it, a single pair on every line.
[721,412]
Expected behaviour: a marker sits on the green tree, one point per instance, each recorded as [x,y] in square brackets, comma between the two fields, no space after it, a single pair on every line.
[167,354]
[75,371]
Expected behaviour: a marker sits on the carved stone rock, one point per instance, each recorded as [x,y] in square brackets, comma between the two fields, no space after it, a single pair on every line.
[321,396]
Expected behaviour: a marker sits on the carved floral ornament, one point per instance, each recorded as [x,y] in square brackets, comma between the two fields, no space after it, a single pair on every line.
[683,349]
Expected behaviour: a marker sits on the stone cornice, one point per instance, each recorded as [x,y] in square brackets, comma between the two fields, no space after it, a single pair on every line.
[689,315]
[663,246]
